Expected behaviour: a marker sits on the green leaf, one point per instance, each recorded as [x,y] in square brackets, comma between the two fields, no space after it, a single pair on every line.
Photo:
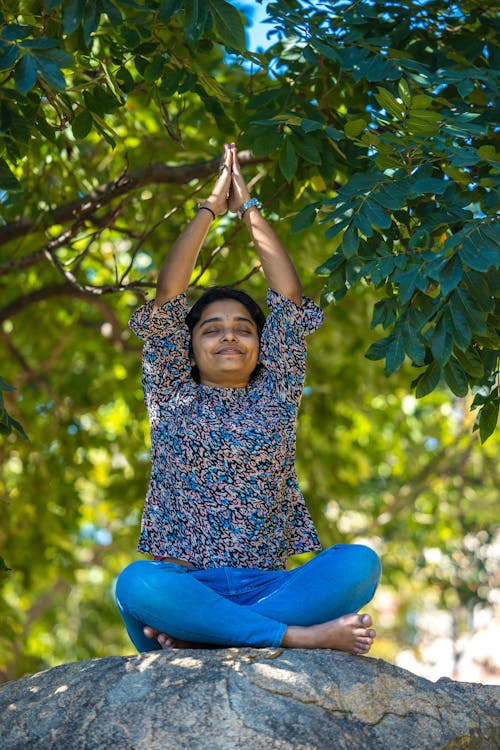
[100,101]
[385,313]
[332,264]
[50,72]
[325,49]
[334,134]
[171,83]
[307,148]
[155,68]
[25,74]
[428,381]
[413,345]
[15,425]
[478,257]
[462,334]
[488,417]
[15,31]
[82,125]
[91,19]
[455,377]
[51,4]
[395,355]
[442,342]
[228,24]
[388,102]
[378,349]
[112,12]
[169,7]
[8,181]
[404,92]
[480,290]
[41,43]
[407,283]
[287,160]
[350,241]
[197,12]
[73,15]
[476,318]
[451,275]
[428,185]
[8,55]
[376,215]
[124,80]
[309,126]
[417,126]
[471,362]
[305,217]
[354,127]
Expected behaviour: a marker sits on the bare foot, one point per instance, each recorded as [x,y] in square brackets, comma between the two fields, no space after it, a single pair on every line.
[166,641]
[351,633]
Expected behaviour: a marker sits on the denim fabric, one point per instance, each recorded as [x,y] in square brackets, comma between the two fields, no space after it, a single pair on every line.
[243,606]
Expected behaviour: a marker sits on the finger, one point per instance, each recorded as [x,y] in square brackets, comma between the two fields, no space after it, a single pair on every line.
[227,158]
[236,162]
[224,178]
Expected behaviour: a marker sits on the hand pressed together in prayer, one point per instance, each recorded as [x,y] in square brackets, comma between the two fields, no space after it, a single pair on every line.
[230,190]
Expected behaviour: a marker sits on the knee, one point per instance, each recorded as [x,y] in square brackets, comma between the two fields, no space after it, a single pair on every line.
[361,561]
[367,562]
[131,580]
[145,581]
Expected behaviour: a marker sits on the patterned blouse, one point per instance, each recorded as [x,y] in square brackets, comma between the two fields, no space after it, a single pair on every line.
[223,489]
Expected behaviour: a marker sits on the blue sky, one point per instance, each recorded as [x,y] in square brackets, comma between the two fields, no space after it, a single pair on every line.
[257,31]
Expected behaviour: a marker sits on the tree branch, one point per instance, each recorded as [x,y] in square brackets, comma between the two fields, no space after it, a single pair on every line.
[103,194]
[90,293]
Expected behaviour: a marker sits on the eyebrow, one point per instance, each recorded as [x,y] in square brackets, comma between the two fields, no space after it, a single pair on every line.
[219,320]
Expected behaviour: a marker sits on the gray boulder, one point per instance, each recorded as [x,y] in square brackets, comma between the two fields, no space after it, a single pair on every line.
[244,698]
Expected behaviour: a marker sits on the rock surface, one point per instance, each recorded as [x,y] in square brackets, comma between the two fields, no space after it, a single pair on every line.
[244,698]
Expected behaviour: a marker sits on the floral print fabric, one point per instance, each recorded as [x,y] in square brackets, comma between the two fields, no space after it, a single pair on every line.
[223,489]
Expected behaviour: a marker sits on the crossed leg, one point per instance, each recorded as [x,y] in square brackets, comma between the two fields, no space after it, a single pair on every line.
[351,633]
[338,581]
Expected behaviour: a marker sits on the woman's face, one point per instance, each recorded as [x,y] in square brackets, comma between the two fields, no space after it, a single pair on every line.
[225,344]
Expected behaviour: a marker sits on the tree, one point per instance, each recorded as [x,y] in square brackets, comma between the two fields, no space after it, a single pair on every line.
[383,116]
[113,115]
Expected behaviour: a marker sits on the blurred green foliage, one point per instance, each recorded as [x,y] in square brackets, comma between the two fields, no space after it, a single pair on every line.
[374,154]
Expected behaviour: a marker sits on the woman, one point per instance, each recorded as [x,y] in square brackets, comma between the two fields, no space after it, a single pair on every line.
[224,511]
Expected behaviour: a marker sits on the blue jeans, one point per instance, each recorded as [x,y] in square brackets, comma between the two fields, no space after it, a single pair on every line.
[243,606]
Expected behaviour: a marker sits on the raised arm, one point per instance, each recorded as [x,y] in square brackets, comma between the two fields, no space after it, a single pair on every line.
[178,266]
[278,268]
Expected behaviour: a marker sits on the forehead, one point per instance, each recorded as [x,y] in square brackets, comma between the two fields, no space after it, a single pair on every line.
[226,309]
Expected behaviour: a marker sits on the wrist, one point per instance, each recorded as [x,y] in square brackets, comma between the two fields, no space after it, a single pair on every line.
[206,208]
[251,203]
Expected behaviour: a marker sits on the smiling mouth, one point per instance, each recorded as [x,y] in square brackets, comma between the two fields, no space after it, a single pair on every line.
[229,351]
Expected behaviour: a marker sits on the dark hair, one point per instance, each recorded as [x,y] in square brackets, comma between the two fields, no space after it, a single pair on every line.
[215,294]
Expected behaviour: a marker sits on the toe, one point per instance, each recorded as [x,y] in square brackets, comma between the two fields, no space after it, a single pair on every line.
[365,620]
[165,641]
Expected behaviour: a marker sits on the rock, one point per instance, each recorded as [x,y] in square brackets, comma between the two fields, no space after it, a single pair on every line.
[244,698]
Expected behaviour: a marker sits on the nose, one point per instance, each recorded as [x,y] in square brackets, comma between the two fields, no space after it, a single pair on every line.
[229,335]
